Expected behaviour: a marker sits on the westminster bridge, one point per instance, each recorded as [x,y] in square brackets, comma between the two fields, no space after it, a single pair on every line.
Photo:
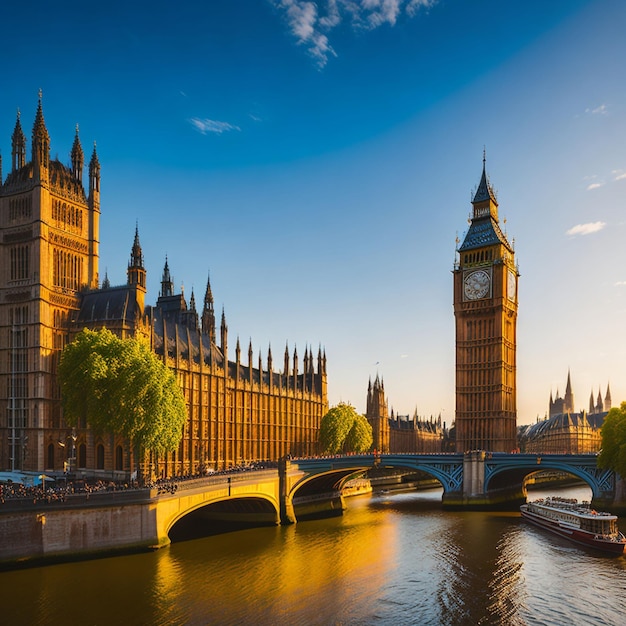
[84,525]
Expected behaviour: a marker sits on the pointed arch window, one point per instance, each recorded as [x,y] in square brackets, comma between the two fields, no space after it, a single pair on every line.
[100,456]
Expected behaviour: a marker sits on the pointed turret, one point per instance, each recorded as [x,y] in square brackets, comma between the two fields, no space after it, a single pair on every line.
[106,283]
[270,361]
[607,399]
[78,158]
[208,313]
[568,400]
[136,271]
[41,145]
[591,404]
[94,179]
[224,336]
[167,286]
[18,143]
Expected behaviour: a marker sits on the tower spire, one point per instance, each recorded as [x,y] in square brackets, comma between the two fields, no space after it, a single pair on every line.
[208,313]
[18,150]
[41,144]
[224,337]
[484,192]
[94,179]
[167,286]
[136,271]
[568,400]
[78,158]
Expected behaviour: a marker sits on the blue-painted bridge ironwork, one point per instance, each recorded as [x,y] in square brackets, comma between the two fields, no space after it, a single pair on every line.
[471,478]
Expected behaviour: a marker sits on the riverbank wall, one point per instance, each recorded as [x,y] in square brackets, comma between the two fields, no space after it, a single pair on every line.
[81,527]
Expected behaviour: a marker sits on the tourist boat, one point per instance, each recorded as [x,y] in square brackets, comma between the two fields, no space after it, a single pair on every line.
[576,521]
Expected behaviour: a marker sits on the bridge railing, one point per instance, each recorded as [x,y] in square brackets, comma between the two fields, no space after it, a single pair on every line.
[174,485]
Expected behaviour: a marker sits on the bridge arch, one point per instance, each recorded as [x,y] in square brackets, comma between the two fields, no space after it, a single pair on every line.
[249,509]
[502,471]
[251,499]
[321,472]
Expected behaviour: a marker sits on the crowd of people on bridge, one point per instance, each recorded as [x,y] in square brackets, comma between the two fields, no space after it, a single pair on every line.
[57,491]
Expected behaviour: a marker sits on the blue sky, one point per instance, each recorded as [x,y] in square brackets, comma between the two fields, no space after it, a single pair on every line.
[318,158]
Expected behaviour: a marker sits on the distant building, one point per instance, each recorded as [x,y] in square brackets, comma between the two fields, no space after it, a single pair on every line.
[564,430]
[239,410]
[401,433]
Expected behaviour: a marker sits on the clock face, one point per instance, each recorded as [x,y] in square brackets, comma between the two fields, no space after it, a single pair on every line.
[511,286]
[476,285]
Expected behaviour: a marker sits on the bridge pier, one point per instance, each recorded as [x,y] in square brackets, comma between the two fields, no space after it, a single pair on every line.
[286,512]
[474,495]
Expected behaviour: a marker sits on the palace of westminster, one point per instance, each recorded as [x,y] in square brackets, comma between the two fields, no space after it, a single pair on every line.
[240,410]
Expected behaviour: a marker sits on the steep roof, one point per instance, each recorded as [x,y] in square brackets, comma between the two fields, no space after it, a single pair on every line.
[484,232]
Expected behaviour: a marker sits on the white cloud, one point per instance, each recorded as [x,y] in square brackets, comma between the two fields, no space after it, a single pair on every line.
[205,126]
[311,21]
[599,110]
[620,283]
[621,176]
[586,229]
[594,186]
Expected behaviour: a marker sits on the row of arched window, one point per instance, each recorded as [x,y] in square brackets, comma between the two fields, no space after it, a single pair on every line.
[19,208]
[68,215]
[20,262]
[81,457]
[478,257]
[67,270]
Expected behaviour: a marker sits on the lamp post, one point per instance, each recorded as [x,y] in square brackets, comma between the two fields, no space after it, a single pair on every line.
[71,454]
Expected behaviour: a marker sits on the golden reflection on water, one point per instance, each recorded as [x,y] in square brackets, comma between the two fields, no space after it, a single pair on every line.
[307,563]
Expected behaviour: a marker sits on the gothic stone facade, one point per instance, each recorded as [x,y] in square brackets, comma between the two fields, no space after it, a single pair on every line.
[564,430]
[399,433]
[239,411]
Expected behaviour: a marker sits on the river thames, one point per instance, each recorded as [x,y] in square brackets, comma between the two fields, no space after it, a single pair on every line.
[391,559]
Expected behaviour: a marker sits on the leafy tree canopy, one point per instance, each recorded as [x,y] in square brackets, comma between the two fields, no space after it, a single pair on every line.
[342,429]
[120,385]
[613,454]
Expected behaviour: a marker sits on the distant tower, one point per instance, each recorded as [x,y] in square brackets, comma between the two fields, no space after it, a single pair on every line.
[485,308]
[377,414]
[607,399]
[136,271]
[167,286]
[568,399]
[208,313]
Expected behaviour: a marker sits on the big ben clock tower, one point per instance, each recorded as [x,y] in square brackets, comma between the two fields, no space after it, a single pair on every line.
[485,309]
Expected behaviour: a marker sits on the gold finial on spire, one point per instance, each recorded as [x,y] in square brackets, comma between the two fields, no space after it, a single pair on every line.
[77,128]
[40,94]
[19,113]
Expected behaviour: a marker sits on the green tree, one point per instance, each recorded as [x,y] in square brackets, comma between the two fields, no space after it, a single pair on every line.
[120,386]
[613,453]
[342,429]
